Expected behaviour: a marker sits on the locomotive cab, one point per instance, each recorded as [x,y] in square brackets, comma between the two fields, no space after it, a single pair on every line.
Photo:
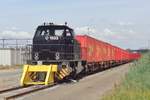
[53,43]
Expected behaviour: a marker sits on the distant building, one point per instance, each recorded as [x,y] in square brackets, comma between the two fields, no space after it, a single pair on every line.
[12,56]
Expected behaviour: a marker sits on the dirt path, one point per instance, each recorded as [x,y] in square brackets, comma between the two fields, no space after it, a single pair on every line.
[89,88]
[10,78]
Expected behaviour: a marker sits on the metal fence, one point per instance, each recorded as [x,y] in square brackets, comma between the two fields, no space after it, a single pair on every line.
[14,43]
[14,51]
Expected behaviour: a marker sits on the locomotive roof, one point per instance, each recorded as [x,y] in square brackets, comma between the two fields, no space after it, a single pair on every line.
[53,26]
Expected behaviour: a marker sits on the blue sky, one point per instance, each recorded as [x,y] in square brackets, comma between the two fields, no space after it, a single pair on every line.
[121,22]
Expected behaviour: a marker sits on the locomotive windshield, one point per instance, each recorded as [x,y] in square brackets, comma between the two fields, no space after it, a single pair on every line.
[53,31]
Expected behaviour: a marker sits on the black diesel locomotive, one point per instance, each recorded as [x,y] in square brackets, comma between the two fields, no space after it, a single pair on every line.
[56,44]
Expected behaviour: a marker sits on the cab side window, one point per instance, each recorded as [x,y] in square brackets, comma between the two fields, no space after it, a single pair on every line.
[58,32]
[68,34]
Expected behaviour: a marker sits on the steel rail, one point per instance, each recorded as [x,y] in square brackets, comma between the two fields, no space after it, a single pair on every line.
[28,92]
[13,89]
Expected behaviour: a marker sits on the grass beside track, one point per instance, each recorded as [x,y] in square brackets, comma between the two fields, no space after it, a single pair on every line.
[136,84]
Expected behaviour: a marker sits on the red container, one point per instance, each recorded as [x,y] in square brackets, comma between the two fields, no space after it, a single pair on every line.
[135,56]
[93,50]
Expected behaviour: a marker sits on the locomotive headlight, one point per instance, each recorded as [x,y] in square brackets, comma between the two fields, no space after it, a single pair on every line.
[36,56]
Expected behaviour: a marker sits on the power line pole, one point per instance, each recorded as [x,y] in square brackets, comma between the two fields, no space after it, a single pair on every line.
[16,43]
[149,45]
[88,31]
[3,40]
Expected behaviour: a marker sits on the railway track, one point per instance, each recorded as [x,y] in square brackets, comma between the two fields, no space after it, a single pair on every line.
[16,92]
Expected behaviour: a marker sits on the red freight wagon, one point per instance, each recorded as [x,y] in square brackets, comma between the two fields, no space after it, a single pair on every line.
[101,55]
[134,56]
[93,50]
[90,49]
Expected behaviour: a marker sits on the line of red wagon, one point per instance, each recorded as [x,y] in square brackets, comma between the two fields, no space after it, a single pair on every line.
[93,50]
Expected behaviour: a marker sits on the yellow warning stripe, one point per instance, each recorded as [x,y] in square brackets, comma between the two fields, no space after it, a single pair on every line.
[67,70]
[33,75]
[60,76]
[62,73]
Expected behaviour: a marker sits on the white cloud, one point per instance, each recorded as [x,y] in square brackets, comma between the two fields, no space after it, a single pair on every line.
[15,34]
[85,30]
[121,23]
[113,35]
[106,34]
[107,31]
[123,37]
[14,28]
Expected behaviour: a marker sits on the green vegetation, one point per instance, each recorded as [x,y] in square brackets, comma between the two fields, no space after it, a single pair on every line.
[136,85]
